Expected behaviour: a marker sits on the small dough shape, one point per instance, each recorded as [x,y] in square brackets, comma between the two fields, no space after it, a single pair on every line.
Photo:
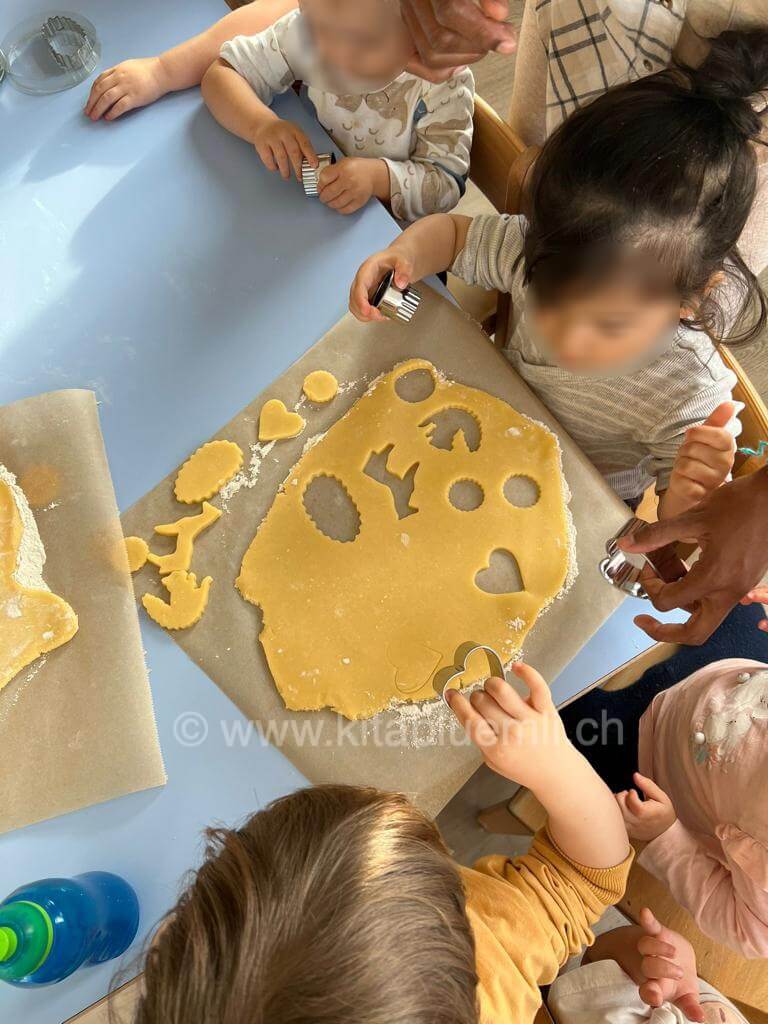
[32,622]
[187,603]
[386,605]
[320,386]
[137,551]
[185,531]
[277,424]
[206,471]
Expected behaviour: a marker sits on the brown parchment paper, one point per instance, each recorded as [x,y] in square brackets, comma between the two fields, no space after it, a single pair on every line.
[77,726]
[418,752]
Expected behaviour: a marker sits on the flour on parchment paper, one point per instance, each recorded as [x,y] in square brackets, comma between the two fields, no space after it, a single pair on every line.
[31,557]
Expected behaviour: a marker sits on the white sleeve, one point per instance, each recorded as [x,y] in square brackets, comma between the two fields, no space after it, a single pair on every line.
[433,179]
[267,60]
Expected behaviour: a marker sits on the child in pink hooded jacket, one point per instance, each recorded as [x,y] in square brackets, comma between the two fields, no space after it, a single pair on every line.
[696,725]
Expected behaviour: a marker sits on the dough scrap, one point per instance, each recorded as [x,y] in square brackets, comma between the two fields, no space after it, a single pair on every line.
[277,424]
[360,624]
[188,601]
[320,386]
[32,621]
[206,471]
[137,551]
[185,530]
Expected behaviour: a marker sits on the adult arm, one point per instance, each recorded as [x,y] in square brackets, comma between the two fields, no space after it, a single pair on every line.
[731,528]
[142,80]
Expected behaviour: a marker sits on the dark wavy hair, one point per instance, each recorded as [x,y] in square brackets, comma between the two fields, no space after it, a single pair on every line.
[660,173]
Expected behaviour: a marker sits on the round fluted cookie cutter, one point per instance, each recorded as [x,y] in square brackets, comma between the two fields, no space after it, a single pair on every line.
[445,677]
[395,303]
[310,176]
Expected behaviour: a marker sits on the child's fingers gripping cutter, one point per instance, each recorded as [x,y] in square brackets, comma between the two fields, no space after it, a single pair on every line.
[310,176]
[447,678]
[395,303]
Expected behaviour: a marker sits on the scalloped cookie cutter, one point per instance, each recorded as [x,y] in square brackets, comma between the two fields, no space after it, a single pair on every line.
[446,676]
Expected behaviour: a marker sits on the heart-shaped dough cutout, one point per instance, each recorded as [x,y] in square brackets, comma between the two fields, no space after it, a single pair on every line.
[277,424]
[502,574]
[471,662]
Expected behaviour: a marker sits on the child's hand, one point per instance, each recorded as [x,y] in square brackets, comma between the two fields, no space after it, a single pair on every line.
[758,596]
[370,273]
[703,461]
[646,819]
[522,739]
[130,84]
[348,184]
[282,145]
[668,966]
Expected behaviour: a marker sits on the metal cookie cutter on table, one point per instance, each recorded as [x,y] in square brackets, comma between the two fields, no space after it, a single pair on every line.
[310,176]
[623,569]
[395,303]
[445,677]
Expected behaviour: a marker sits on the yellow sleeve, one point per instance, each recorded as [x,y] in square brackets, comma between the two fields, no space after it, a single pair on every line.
[529,915]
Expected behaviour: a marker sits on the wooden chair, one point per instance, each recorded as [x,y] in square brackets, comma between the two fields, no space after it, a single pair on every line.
[754,418]
[499,166]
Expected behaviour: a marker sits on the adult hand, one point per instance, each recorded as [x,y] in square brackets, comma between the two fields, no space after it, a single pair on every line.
[668,967]
[450,33]
[646,819]
[731,528]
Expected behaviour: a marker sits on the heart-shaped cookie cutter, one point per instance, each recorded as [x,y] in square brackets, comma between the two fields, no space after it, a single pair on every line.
[446,676]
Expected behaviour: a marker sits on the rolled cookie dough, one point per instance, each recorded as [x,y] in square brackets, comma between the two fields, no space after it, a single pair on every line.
[206,471]
[320,386]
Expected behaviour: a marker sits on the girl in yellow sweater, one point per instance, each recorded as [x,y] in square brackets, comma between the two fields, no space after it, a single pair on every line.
[341,904]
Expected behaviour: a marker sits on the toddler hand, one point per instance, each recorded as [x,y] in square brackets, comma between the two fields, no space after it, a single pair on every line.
[703,461]
[348,184]
[282,145]
[369,275]
[130,84]
[758,596]
[668,966]
[646,819]
[522,739]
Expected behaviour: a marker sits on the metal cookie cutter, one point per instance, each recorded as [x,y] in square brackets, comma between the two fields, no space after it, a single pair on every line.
[68,42]
[310,176]
[445,677]
[395,303]
[618,568]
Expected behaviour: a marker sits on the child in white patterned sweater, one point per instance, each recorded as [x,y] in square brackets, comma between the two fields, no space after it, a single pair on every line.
[407,140]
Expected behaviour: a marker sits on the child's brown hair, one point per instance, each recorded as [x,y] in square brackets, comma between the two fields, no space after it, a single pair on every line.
[333,905]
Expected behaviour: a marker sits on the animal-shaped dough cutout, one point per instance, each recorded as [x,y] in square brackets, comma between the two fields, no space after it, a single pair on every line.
[276,423]
[137,551]
[32,621]
[185,531]
[187,602]
[359,621]
[320,386]
[206,471]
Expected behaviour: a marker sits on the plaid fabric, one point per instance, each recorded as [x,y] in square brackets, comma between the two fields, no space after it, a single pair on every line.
[592,45]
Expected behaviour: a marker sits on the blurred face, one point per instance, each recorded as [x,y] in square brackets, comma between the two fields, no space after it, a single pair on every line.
[607,328]
[360,38]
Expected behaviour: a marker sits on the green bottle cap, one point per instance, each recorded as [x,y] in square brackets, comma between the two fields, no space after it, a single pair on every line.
[26,937]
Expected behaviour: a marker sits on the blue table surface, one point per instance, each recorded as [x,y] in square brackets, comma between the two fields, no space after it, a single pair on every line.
[155,261]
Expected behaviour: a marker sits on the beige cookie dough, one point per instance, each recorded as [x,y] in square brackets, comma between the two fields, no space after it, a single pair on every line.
[206,471]
[320,386]
[276,423]
[33,621]
[137,551]
[187,602]
[359,624]
[185,530]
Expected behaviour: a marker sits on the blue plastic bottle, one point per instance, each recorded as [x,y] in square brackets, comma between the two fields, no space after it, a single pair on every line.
[50,928]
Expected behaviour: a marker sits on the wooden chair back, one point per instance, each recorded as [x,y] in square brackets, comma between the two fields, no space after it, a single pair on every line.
[754,417]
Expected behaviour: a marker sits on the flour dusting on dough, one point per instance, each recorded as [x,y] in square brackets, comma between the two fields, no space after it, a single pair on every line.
[31,557]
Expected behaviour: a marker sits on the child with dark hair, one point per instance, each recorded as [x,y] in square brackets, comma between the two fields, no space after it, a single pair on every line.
[625,268]
[341,904]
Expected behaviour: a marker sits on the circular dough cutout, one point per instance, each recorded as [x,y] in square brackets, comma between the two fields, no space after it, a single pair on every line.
[320,386]
[137,550]
[466,495]
[521,491]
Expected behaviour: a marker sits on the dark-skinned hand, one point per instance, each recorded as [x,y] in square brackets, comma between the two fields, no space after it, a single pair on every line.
[731,528]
